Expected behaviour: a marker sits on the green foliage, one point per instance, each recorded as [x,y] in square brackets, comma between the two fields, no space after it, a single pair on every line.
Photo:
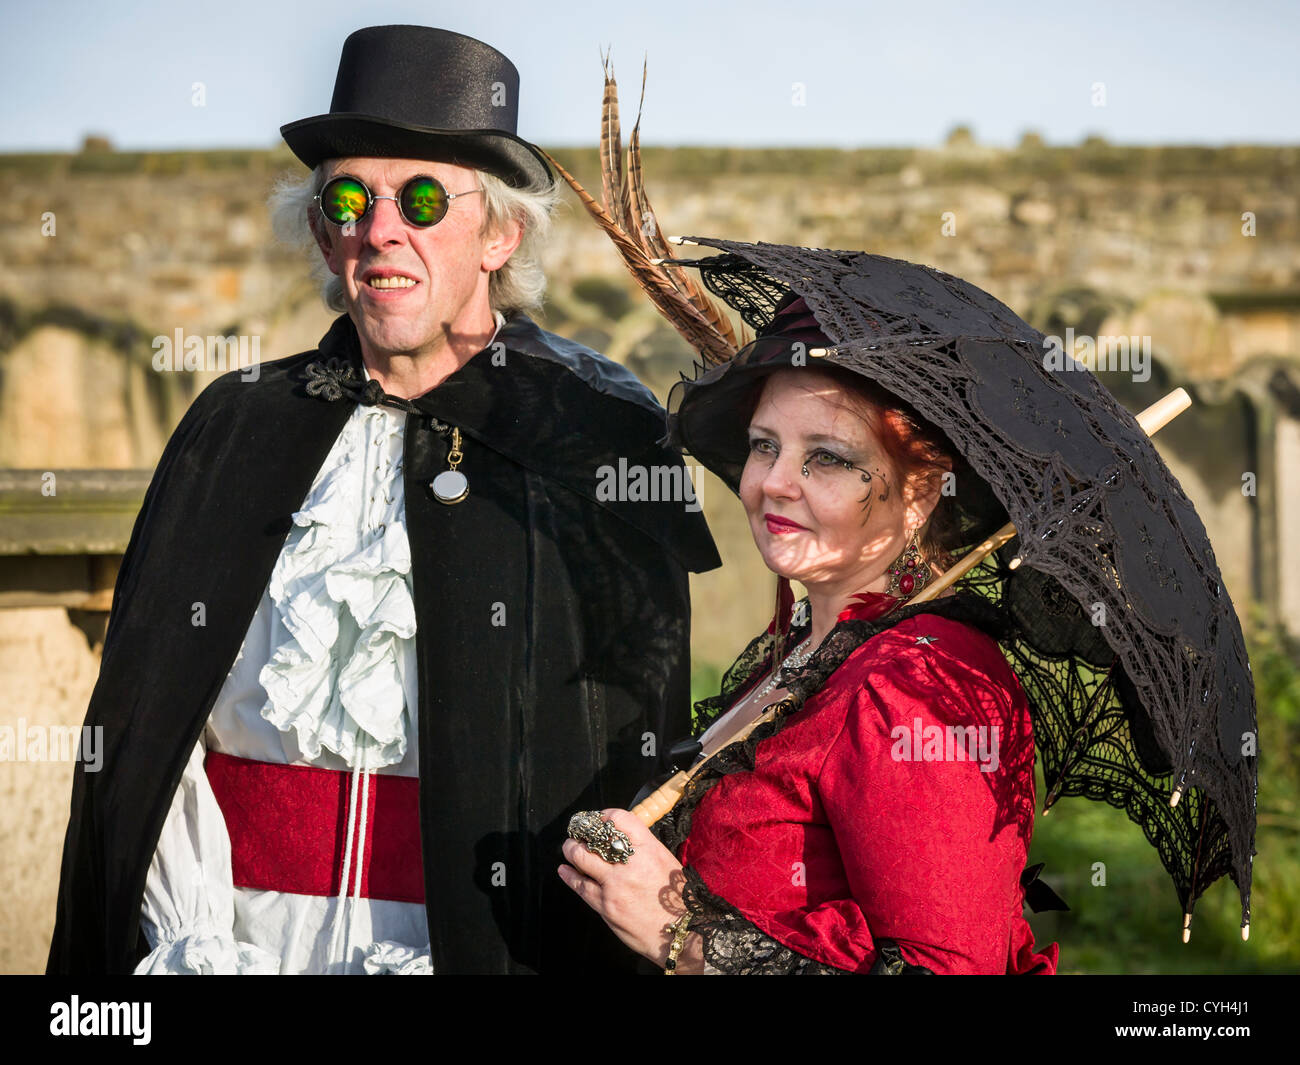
[706,682]
[1132,924]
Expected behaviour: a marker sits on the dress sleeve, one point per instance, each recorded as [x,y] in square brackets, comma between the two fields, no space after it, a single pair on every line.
[932,834]
[188,913]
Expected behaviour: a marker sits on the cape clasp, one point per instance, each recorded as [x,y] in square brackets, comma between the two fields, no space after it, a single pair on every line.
[330,379]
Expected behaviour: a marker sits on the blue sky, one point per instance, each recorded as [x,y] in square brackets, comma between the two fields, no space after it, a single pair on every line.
[720,73]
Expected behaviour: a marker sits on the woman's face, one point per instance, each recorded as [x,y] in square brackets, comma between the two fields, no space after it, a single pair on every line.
[845,522]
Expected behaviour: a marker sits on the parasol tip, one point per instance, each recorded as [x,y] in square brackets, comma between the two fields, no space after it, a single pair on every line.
[682,240]
[1178,794]
[1014,563]
[658,262]
[818,353]
[1187,927]
[1245,931]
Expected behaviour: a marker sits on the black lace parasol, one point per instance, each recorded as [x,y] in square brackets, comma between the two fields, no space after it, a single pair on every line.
[1115,617]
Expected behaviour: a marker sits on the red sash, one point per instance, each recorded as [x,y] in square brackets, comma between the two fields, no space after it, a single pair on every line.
[288,829]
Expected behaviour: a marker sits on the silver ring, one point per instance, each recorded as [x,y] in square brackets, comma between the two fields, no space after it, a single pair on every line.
[600,837]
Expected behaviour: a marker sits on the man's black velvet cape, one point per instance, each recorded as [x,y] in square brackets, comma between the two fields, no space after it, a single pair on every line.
[566,706]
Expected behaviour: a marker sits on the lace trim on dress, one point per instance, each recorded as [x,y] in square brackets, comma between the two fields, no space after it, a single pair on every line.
[734,947]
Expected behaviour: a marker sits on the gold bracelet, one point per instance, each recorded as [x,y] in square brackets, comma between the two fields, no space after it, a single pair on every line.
[679,940]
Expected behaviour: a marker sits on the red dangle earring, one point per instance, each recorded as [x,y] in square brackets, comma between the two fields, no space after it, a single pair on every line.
[910,572]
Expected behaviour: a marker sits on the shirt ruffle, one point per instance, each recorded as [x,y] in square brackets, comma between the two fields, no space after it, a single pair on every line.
[343,600]
[394,959]
[208,953]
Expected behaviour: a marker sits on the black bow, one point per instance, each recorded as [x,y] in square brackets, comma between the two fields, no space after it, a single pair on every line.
[1038,895]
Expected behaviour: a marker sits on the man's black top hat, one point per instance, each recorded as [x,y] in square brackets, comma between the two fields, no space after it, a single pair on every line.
[411,92]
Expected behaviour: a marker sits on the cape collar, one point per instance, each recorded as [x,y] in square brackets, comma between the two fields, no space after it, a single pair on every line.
[518,333]
[551,406]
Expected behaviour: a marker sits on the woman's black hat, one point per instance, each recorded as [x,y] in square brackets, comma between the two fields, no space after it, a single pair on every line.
[413,92]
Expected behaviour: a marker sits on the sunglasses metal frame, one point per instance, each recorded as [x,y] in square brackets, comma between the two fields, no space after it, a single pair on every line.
[371,198]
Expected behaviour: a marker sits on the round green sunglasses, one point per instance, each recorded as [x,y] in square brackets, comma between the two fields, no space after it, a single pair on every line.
[422,201]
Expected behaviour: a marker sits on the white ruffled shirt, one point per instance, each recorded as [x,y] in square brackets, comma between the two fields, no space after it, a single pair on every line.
[326,677]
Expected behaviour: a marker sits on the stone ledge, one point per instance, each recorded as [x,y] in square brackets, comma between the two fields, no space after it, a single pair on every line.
[69,512]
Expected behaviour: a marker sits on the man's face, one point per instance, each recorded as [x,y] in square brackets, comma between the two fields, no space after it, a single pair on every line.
[449,263]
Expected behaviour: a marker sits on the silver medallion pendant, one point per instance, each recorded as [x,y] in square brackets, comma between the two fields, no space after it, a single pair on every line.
[449,487]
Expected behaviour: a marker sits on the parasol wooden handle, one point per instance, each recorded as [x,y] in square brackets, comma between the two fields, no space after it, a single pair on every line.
[1159,414]
[665,797]
[655,805]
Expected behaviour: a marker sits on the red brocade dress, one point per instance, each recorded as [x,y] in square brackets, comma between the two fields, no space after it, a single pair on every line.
[896,804]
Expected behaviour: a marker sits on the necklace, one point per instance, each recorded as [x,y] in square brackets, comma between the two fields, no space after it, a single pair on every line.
[795,660]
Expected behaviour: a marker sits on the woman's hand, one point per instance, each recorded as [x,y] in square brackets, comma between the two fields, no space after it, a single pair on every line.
[640,899]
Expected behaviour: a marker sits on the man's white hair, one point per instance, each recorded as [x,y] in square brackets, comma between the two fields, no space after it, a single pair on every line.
[518,285]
